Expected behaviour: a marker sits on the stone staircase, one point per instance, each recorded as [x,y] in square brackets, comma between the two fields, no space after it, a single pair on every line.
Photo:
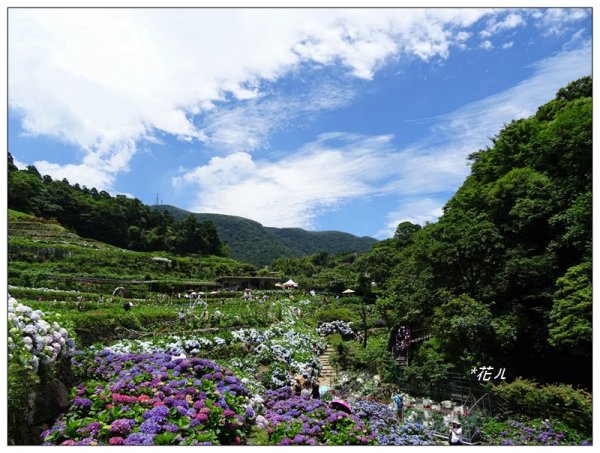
[402,361]
[328,375]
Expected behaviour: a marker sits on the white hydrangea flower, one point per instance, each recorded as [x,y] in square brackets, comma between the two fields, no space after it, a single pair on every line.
[23,309]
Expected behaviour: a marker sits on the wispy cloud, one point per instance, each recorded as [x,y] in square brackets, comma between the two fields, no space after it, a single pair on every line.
[559,21]
[486,45]
[510,21]
[248,126]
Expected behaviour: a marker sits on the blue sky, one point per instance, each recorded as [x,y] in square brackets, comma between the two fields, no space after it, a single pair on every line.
[325,119]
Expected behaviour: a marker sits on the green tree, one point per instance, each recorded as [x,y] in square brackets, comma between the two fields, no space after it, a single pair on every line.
[463,326]
[24,189]
[570,327]
[404,233]
[463,250]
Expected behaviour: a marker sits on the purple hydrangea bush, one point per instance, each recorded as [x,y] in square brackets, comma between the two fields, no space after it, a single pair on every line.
[338,326]
[294,420]
[386,427]
[530,432]
[154,399]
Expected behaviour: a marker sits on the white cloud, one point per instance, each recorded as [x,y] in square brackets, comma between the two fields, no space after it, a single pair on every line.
[83,174]
[291,191]
[512,20]
[486,45]
[98,168]
[20,165]
[321,176]
[419,211]
[558,21]
[508,45]
[105,79]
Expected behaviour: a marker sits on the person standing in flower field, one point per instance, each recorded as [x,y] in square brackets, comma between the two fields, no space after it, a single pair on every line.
[455,433]
[398,406]
[306,390]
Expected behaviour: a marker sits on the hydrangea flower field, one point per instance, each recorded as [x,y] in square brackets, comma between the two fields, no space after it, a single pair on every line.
[228,387]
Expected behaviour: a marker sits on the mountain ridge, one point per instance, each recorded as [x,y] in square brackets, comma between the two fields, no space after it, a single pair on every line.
[252,242]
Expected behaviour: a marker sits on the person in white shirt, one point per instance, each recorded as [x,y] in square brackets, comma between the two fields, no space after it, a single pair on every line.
[455,433]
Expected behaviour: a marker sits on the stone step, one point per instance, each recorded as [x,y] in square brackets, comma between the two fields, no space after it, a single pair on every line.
[328,374]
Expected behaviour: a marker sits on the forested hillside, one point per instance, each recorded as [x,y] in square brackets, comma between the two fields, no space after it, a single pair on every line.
[504,277]
[120,221]
[251,242]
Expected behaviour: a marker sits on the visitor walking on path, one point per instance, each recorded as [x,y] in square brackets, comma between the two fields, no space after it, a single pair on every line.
[455,433]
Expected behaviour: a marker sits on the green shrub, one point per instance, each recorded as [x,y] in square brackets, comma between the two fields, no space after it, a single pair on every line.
[428,371]
[129,321]
[94,326]
[228,352]
[561,402]
[333,314]
[22,383]
[523,431]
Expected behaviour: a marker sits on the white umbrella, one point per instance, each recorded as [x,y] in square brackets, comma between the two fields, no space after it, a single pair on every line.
[290,282]
[348,291]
